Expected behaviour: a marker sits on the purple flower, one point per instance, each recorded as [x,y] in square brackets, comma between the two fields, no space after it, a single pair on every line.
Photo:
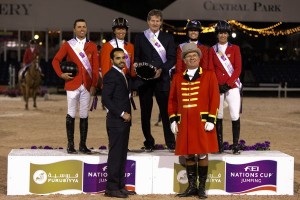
[102,147]
[242,146]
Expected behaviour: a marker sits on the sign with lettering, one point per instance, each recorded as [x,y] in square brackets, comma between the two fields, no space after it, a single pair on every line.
[240,10]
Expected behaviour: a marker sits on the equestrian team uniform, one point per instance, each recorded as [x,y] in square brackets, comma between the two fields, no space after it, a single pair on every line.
[85,55]
[227,63]
[128,48]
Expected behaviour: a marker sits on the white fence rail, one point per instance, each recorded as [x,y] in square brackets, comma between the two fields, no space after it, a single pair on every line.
[272,87]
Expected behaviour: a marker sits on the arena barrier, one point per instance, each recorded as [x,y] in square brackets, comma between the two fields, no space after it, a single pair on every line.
[43,172]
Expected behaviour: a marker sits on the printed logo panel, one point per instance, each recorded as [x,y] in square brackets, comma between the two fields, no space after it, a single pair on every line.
[251,177]
[55,177]
[95,176]
[215,176]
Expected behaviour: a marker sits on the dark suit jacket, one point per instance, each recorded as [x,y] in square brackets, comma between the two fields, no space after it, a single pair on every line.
[115,97]
[145,52]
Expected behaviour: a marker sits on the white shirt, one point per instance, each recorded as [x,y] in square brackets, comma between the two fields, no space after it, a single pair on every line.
[81,43]
[222,47]
[120,43]
[125,80]
[191,73]
[156,34]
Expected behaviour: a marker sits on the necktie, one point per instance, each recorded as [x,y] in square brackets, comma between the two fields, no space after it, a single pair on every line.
[125,79]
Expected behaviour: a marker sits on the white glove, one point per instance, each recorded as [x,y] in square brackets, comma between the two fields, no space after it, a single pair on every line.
[209,126]
[174,127]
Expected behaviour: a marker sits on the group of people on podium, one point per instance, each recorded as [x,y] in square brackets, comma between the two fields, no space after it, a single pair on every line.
[190,103]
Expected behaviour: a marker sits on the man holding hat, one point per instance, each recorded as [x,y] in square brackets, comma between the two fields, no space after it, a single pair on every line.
[193,106]
[193,30]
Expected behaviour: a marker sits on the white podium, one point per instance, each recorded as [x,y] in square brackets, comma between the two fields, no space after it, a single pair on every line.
[44,172]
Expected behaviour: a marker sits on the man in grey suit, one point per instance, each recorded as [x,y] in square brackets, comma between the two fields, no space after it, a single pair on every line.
[158,49]
[115,98]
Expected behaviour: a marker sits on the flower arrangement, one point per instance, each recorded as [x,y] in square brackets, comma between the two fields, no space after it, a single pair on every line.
[265,146]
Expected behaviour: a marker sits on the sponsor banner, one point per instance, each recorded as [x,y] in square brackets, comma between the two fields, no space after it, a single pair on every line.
[251,177]
[95,176]
[54,177]
[215,176]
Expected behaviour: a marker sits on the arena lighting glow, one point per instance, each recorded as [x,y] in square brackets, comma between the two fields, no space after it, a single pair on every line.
[36,37]
[233,35]
[103,41]
[253,32]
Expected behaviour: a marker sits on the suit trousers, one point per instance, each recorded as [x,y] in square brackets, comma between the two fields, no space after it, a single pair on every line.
[118,146]
[146,93]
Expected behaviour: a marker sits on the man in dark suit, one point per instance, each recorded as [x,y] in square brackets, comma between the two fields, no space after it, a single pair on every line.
[158,49]
[115,98]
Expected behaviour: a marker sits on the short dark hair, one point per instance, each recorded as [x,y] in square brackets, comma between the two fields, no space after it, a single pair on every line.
[112,53]
[78,20]
[155,12]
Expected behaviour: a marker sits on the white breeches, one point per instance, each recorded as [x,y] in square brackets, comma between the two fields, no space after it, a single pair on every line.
[81,96]
[233,99]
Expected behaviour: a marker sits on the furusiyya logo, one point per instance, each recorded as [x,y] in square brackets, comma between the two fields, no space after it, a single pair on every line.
[40,177]
[182,177]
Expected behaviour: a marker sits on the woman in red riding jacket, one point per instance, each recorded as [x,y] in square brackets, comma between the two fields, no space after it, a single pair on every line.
[225,59]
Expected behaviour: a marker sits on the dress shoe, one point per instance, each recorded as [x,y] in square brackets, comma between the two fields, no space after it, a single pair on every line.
[171,147]
[115,193]
[83,149]
[128,192]
[148,148]
[71,149]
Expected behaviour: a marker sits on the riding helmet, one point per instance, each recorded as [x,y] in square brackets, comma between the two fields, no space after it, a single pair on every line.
[193,25]
[120,22]
[223,26]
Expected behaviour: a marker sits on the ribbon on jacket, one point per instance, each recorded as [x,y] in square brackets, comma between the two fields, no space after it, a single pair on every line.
[156,44]
[226,64]
[81,55]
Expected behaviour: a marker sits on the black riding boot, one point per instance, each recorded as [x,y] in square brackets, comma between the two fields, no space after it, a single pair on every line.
[83,136]
[219,129]
[202,173]
[236,125]
[192,178]
[70,134]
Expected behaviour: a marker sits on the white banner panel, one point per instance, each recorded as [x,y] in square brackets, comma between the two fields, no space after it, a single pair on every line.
[240,10]
[43,172]
[45,15]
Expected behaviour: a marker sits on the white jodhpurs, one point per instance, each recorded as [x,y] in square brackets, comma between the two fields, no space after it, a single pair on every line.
[233,99]
[79,96]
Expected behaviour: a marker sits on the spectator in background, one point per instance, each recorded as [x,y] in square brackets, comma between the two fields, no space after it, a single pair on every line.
[31,53]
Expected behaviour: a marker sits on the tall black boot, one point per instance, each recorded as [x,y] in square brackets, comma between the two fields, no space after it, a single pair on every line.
[83,136]
[192,178]
[236,126]
[70,134]
[219,129]
[202,173]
